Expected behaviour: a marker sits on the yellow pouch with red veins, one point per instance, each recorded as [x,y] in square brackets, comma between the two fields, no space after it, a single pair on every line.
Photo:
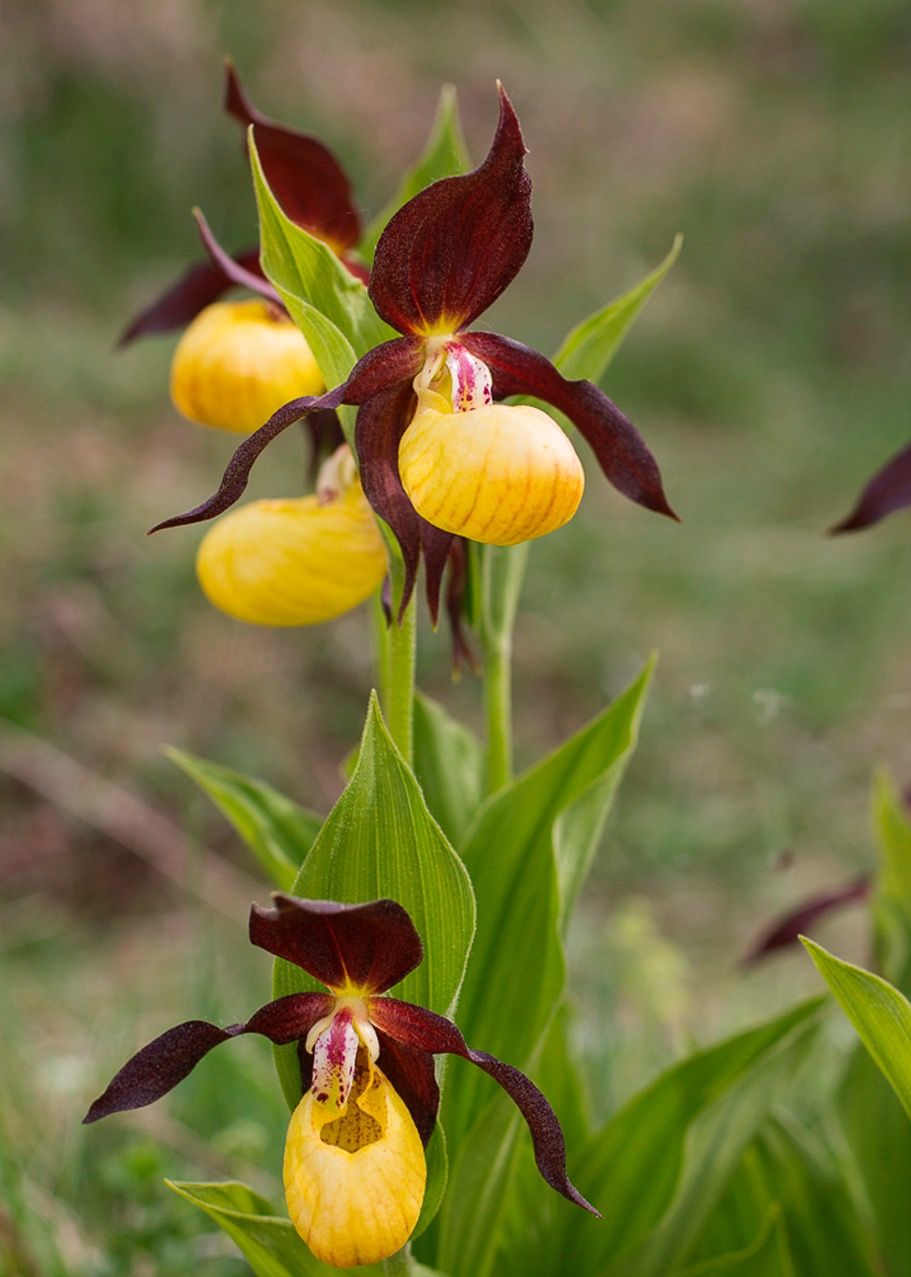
[500,473]
[293,562]
[237,363]
[355,1183]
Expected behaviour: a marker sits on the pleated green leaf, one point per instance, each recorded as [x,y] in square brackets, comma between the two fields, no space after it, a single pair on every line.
[381,840]
[277,830]
[879,1012]
[592,344]
[445,155]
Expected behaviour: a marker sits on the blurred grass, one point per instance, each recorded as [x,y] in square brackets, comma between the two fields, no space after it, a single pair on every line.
[770,375]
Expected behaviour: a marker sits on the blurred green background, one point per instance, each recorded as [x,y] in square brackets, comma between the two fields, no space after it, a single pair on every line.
[770,374]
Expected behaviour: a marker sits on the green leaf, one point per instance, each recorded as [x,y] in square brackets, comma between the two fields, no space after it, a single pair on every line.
[592,344]
[381,840]
[445,155]
[449,765]
[879,1012]
[277,830]
[660,1165]
[528,850]
[892,901]
[267,1240]
[766,1256]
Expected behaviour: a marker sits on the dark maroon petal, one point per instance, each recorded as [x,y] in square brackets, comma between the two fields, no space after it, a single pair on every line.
[436,546]
[889,490]
[384,364]
[371,945]
[232,270]
[323,435]
[413,1077]
[426,1031]
[158,1067]
[196,289]
[381,422]
[303,174]
[784,931]
[462,653]
[448,253]
[621,451]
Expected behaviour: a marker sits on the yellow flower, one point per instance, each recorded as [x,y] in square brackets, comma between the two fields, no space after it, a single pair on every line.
[239,361]
[296,561]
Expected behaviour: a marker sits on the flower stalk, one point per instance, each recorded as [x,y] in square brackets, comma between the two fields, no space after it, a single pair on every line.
[502,572]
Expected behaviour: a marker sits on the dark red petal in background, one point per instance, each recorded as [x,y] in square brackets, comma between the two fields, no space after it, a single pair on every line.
[413,1076]
[384,364]
[234,271]
[784,931]
[451,250]
[158,1067]
[436,546]
[371,945]
[196,289]
[621,451]
[303,174]
[456,586]
[381,423]
[426,1031]
[889,490]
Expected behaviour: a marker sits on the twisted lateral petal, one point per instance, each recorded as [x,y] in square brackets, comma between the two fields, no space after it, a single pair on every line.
[158,1067]
[426,1031]
[196,289]
[888,491]
[233,270]
[621,451]
[368,946]
[450,251]
[786,930]
[304,175]
[383,366]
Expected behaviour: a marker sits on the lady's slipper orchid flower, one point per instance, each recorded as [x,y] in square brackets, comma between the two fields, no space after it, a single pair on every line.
[354,1168]
[298,560]
[439,455]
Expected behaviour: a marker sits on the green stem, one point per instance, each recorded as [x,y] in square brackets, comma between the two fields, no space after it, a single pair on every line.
[397,679]
[399,1263]
[502,571]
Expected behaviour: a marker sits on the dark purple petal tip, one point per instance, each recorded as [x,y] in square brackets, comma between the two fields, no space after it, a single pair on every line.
[371,946]
[887,492]
[234,271]
[785,931]
[196,289]
[160,1065]
[426,1031]
[448,253]
[303,174]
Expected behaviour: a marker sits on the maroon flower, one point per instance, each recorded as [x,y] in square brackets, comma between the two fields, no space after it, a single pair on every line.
[472,465]
[367,1072]
[887,492]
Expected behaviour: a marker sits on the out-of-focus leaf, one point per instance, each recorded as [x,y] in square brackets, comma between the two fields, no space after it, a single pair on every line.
[266,1239]
[878,1141]
[528,850]
[828,1228]
[277,830]
[449,765]
[592,344]
[380,840]
[766,1256]
[445,155]
[879,1012]
[660,1165]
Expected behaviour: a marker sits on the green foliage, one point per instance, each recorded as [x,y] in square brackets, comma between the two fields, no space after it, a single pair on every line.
[277,830]
[766,1256]
[588,350]
[381,840]
[880,1013]
[449,766]
[445,155]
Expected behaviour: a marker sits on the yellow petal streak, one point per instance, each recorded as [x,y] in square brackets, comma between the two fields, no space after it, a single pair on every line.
[237,363]
[355,1184]
[500,474]
[294,561]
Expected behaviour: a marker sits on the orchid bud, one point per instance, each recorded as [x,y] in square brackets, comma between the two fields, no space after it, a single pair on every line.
[238,362]
[498,473]
[297,561]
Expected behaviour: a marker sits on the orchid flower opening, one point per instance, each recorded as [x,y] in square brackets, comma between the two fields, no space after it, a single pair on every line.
[354,1168]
